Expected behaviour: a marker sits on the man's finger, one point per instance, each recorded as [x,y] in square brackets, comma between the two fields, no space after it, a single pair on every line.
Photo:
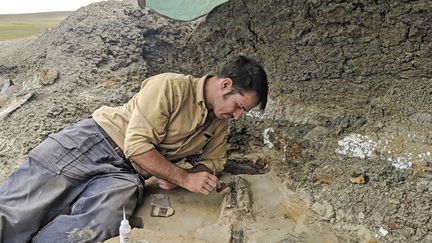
[220,184]
[211,183]
[213,178]
[204,191]
[208,187]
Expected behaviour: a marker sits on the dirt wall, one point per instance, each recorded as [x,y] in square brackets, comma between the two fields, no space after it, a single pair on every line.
[350,88]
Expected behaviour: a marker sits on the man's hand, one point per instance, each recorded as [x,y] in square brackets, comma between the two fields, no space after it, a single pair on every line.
[201,182]
[166,185]
[155,164]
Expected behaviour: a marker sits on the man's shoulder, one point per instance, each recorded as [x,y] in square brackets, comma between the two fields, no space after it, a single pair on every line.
[177,77]
[173,80]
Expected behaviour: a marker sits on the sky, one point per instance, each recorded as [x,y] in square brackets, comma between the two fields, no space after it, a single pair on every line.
[38,6]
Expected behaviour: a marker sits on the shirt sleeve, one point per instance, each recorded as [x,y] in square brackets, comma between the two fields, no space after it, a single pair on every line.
[150,116]
[214,155]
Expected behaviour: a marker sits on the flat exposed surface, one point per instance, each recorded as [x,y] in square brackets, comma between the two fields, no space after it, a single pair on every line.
[268,221]
[192,211]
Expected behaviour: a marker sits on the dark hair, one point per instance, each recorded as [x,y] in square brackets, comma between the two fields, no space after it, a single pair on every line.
[247,75]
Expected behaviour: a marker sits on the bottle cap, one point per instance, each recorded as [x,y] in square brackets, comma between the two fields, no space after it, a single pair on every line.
[124,221]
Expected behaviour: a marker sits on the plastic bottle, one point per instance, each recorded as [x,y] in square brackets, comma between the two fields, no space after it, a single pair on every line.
[125,229]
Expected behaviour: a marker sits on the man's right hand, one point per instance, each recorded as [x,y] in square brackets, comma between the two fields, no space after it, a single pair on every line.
[198,181]
[201,182]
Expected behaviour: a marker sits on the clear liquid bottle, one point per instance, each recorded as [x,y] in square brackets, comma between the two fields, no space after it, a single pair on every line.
[125,229]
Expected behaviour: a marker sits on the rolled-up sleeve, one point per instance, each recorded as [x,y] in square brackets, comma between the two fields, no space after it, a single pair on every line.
[214,155]
[148,120]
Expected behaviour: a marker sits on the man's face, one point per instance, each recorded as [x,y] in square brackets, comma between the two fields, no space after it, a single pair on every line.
[232,104]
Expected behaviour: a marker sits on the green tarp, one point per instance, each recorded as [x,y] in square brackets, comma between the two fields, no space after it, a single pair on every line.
[185,10]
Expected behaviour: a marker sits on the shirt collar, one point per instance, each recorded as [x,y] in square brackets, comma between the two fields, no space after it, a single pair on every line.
[200,89]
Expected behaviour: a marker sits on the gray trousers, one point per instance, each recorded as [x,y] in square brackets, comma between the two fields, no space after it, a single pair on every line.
[72,188]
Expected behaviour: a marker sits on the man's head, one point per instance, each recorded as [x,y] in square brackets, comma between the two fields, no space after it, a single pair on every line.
[242,85]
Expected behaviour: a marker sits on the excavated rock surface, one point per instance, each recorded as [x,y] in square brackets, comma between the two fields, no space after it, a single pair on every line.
[350,94]
[351,88]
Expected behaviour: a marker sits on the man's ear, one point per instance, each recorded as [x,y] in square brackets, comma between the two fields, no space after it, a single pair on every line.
[226,84]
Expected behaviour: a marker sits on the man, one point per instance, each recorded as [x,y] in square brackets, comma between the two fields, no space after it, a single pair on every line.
[74,184]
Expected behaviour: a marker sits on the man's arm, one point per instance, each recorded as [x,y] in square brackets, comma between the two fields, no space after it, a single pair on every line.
[155,164]
[169,186]
[214,153]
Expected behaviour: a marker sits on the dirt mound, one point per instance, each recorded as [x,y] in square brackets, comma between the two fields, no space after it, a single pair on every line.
[101,53]
[350,97]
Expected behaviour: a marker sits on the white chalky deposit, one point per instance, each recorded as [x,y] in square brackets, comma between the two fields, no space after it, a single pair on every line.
[400,153]
[356,145]
[266,137]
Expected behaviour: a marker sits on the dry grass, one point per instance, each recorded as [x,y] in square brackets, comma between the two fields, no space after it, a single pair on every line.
[17,26]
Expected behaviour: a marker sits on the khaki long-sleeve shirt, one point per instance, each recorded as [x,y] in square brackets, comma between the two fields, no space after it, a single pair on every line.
[168,114]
